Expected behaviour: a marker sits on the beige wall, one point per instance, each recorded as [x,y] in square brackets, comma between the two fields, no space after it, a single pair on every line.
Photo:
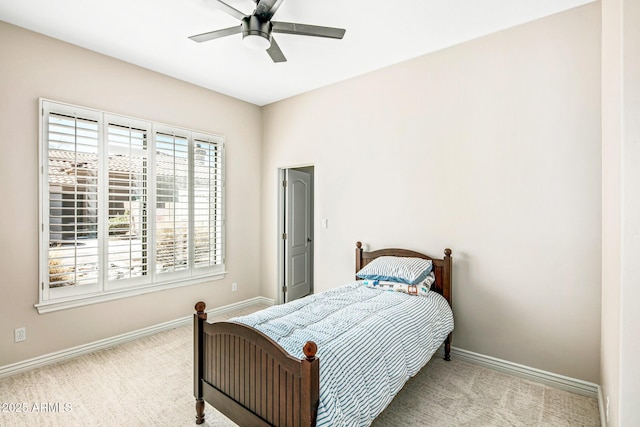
[620,372]
[33,66]
[630,291]
[611,205]
[491,148]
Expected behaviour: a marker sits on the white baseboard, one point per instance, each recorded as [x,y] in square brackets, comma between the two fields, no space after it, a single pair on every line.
[601,408]
[59,356]
[237,306]
[573,385]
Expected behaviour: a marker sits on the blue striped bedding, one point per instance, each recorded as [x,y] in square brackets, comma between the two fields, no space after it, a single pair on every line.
[370,342]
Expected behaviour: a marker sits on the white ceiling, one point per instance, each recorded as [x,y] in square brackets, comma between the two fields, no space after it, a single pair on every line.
[153,34]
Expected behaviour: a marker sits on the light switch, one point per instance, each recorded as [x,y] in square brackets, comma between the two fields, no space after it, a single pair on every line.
[325,223]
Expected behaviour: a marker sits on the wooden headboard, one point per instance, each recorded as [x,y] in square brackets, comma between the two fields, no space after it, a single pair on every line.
[441,266]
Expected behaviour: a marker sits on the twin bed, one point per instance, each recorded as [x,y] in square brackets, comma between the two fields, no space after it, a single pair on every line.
[264,369]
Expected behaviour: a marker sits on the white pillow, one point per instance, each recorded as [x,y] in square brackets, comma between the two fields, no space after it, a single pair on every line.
[407,270]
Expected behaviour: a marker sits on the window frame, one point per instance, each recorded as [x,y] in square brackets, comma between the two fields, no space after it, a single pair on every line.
[105,289]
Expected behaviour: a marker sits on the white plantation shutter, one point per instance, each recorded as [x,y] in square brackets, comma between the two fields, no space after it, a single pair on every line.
[127,251]
[72,182]
[207,202]
[126,205]
[172,203]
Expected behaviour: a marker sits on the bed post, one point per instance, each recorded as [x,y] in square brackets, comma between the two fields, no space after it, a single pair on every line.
[446,292]
[358,257]
[310,376]
[198,319]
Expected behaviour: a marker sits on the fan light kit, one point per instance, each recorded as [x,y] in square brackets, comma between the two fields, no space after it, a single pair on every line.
[257,42]
[257,28]
[255,33]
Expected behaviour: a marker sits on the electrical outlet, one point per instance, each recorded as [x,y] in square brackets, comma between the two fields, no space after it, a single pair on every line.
[20,334]
[234,286]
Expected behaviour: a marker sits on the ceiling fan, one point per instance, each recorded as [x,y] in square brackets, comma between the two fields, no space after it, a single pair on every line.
[258,27]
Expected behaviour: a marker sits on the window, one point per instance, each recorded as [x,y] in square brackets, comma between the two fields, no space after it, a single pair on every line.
[127,206]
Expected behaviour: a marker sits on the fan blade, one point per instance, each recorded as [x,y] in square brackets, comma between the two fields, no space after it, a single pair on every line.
[226,8]
[267,8]
[275,53]
[307,30]
[211,35]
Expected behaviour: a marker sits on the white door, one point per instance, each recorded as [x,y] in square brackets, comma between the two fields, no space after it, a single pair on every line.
[298,239]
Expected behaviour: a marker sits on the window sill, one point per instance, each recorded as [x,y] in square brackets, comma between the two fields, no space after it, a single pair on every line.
[80,301]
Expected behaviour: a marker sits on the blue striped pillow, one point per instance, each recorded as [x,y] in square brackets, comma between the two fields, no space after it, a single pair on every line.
[397,269]
[421,288]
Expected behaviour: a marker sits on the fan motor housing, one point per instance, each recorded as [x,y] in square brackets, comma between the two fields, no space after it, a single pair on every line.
[253,26]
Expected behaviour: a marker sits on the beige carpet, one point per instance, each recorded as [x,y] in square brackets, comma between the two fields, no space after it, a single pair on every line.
[457,393]
[149,382]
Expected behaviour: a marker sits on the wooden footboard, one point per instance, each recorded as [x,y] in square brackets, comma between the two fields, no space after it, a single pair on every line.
[250,378]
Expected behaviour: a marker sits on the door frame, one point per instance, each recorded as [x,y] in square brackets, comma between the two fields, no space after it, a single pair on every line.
[280,297]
